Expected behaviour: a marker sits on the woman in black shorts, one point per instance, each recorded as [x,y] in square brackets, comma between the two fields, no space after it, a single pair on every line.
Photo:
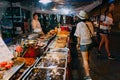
[105,26]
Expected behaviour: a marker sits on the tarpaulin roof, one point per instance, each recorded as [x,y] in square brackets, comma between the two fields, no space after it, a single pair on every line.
[62,6]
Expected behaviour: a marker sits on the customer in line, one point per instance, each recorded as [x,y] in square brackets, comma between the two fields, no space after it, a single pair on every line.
[36,26]
[84,40]
[105,26]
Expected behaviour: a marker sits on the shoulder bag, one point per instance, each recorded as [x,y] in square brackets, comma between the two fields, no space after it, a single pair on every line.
[95,42]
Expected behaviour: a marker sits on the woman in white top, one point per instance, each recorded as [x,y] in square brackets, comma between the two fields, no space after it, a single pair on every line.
[84,40]
[105,26]
[36,26]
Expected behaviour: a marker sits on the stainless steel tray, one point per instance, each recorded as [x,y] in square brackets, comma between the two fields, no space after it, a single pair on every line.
[27,70]
[46,74]
[12,71]
[46,63]
[62,50]
[52,44]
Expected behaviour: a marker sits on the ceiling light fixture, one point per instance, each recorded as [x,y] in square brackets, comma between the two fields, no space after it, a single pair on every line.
[45,1]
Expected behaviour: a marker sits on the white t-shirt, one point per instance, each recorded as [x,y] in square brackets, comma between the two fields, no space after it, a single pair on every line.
[83,32]
[36,26]
[106,20]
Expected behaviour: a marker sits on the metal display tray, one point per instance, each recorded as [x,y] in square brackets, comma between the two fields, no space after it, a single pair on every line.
[27,70]
[40,64]
[12,71]
[34,74]
[52,45]
[62,50]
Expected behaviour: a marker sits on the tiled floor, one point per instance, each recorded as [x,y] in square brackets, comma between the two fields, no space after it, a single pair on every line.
[100,67]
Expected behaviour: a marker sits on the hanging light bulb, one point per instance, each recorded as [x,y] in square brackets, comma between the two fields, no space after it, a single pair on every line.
[45,1]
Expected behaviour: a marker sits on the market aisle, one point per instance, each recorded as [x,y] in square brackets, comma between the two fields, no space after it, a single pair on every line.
[101,68]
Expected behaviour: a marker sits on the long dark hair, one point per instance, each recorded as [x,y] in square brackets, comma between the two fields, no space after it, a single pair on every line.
[107,11]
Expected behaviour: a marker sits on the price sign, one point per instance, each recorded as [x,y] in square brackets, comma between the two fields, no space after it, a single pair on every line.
[5,53]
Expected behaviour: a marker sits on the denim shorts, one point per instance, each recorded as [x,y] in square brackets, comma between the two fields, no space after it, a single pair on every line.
[84,48]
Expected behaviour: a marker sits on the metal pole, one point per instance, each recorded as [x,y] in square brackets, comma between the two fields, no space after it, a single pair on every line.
[13,30]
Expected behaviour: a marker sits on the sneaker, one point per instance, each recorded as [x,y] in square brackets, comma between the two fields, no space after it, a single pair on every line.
[87,78]
[111,57]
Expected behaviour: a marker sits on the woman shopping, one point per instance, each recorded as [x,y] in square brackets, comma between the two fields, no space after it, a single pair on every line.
[105,27]
[84,40]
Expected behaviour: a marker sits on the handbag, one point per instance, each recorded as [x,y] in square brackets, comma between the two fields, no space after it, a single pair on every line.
[94,39]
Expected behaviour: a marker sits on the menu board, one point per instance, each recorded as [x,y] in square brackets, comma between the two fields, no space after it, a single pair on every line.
[5,53]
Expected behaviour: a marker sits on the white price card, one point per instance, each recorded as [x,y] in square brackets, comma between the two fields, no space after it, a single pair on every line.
[5,53]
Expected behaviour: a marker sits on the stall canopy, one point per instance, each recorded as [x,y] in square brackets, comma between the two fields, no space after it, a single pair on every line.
[67,7]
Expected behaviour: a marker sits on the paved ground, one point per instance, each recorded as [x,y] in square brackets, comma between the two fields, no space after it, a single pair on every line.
[101,67]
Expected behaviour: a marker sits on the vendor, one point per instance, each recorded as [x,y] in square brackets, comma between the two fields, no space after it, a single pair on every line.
[36,26]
